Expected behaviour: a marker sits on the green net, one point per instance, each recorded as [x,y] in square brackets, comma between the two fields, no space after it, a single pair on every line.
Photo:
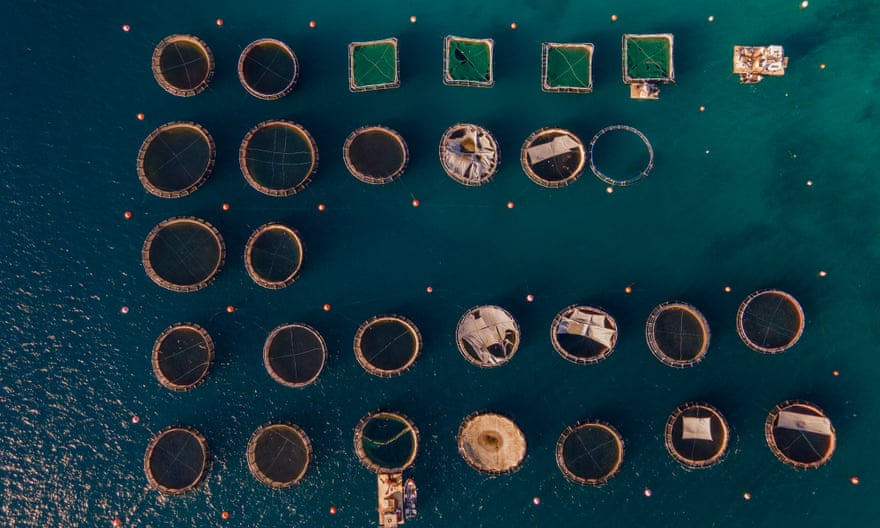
[568,67]
[469,61]
[648,58]
[386,442]
[373,65]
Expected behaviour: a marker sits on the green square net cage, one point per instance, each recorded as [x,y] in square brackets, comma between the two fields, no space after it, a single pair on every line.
[373,65]
[648,58]
[567,68]
[468,62]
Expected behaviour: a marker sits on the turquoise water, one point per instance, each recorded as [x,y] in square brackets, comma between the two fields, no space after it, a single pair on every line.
[726,204]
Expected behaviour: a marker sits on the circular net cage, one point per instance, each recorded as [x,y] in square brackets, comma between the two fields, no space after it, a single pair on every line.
[386,442]
[278,454]
[553,157]
[294,354]
[176,460]
[273,255]
[469,154]
[487,336]
[182,356]
[618,153]
[183,65]
[799,434]
[697,435]
[176,159]
[491,443]
[278,158]
[770,321]
[677,334]
[387,345]
[375,154]
[590,453]
[183,254]
[583,334]
[268,69]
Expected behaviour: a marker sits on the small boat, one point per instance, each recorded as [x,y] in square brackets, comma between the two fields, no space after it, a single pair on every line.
[410,499]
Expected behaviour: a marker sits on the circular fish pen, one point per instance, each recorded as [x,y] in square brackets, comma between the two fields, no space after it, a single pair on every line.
[375,154]
[268,69]
[183,65]
[177,460]
[182,356]
[278,158]
[491,443]
[387,345]
[697,435]
[294,354]
[278,454]
[469,154]
[800,434]
[183,254]
[589,453]
[621,182]
[273,255]
[386,442]
[487,336]
[176,159]
[677,334]
[583,334]
[553,157]
[770,321]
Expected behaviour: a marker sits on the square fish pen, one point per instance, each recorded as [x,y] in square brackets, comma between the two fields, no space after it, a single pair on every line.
[647,61]
[373,65]
[468,62]
[567,68]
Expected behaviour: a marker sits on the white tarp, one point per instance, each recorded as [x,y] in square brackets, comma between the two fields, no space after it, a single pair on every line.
[804,422]
[558,146]
[696,428]
[587,325]
[471,156]
[485,331]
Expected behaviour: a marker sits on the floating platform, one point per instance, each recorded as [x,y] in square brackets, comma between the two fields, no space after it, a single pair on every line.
[390,494]
[373,65]
[647,62]
[752,63]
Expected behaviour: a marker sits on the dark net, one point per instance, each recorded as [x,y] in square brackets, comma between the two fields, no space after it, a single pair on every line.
[295,355]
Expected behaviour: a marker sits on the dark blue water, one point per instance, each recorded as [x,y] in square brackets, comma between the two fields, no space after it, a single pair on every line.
[727,204]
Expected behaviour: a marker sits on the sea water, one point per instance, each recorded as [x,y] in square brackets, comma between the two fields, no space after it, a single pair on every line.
[727,204]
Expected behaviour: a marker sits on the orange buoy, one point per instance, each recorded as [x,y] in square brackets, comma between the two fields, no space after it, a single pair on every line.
[312,24]
[415,203]
[614,18]
[809,183]
[711,18]
[648,492]
[123,310]
[536,500]
[510,205]
[628,289]
[141,116]
[805,4]
[326,307]
[219,22]
[127,215]
[230,309]
[321,207]
[224,515]
[747,496]
[822,66]
[609,189]
[823,273]
[727,289]
[429,289]
[332,510]
[835,373]
[126,28]
[412,19]
[854,481]
[135,419]
[702,108]
[225,207]
[117,522]
[530,298]
[513,25]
